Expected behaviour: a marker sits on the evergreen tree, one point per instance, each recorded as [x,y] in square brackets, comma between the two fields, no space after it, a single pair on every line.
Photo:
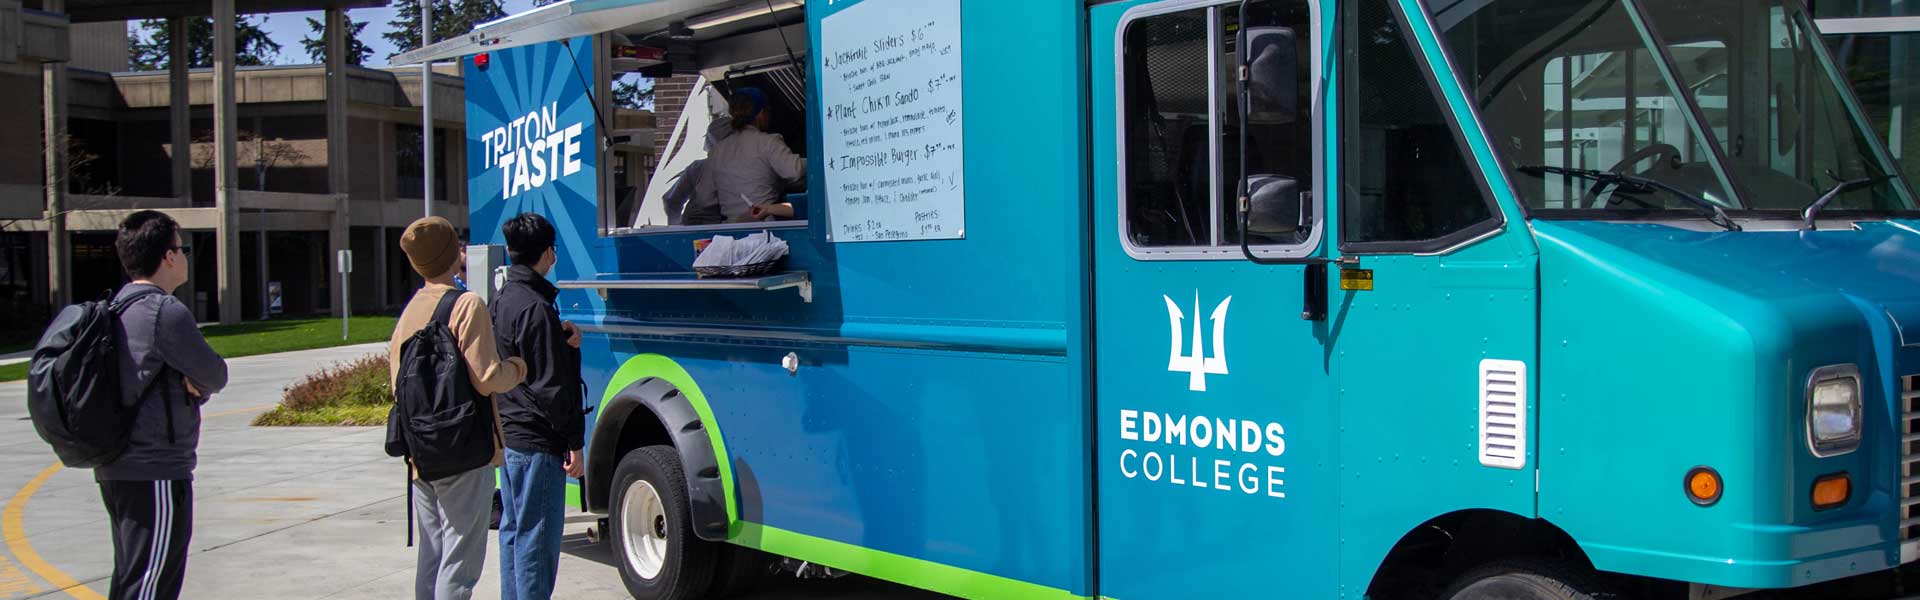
[252,46]
[633,92]
[451,18]
[316,42]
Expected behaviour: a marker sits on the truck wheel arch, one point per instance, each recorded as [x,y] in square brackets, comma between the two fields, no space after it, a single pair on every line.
[652,401]
[1451,544]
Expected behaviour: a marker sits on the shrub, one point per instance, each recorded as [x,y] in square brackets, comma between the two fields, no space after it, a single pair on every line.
[354,393]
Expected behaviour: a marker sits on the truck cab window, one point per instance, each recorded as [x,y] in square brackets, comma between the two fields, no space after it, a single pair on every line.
[1169,155]
[1722,102]
[1407,183]
[1180,122]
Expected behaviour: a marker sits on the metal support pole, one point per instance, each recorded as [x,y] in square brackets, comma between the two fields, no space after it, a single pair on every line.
[426,111]
[53,81]
[344,277]
[337,156]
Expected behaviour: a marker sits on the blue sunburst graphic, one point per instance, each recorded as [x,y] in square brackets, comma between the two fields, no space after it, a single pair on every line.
[516,82]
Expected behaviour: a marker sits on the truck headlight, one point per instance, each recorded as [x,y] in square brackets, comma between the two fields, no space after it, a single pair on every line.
[1833,410]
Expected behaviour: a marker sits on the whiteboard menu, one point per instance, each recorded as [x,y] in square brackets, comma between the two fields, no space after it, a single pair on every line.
[890,87]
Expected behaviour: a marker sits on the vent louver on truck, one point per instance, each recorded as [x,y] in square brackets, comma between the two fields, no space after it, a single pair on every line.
[1503,413]
[1909,513]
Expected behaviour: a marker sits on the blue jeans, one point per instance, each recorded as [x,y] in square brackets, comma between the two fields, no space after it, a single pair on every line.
[533,500]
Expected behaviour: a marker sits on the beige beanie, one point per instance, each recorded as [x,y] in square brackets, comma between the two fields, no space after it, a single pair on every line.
[432,246]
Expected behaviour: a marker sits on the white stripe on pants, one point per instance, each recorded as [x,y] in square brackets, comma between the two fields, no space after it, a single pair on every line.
[163,518]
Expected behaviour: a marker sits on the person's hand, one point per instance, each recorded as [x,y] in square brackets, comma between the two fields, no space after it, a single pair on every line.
[573,333]
[192,390]
[781,210]
[575,466]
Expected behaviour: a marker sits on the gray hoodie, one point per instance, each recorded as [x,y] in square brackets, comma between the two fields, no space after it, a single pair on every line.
[162,341]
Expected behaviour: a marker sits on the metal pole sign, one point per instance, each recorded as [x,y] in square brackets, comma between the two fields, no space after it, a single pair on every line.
[345,262]
[426,111]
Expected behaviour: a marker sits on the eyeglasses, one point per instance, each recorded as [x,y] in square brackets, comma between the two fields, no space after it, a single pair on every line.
[183,250]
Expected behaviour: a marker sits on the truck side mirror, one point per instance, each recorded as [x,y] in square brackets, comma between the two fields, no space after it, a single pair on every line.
[1269,94]
[1273,76]
[1274,207]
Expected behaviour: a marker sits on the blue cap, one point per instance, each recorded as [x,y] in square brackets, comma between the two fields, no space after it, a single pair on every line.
[759,99]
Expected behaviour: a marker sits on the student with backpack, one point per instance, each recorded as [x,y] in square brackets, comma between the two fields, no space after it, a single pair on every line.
[542,419]
[445,367]
[117,387]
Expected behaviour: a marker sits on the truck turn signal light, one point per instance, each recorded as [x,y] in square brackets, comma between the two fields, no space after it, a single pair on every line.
[1831,491]
[1703,486]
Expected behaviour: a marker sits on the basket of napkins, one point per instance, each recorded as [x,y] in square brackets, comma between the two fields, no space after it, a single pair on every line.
[750,256]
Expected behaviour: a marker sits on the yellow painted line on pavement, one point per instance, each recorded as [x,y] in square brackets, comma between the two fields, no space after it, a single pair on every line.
[14,531]
[11,528]
[14,583]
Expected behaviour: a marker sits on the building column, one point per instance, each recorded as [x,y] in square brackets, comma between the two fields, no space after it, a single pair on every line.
[225,122]
[53,110]
[180,109]
[337,146]
[180,136]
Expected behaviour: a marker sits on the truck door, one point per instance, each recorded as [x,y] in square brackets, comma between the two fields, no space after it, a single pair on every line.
[1433,329]
[1216,434]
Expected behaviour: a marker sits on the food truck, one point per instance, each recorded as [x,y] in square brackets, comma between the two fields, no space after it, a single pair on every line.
[1217,298]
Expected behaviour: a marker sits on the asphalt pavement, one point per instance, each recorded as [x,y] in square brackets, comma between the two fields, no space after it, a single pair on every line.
[279,512]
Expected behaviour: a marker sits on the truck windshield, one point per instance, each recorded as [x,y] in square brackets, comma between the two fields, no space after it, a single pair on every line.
[1728,101]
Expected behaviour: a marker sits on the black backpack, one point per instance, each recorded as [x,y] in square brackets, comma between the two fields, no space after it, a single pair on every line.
[74,394]
[438,422]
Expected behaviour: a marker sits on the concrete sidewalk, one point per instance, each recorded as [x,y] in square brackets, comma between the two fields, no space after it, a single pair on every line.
[279,512]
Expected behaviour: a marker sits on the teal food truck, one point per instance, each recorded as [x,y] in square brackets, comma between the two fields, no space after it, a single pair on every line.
[1202,298]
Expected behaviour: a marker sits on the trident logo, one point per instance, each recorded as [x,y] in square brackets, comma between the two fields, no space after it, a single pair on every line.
[1198,365]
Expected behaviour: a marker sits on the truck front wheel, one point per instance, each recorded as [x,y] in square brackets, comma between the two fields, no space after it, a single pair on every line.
[652,531]
[1529,581]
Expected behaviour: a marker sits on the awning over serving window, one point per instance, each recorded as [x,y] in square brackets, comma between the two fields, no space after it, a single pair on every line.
[573,18]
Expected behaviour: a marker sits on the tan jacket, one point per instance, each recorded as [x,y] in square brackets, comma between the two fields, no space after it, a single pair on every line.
[473,327]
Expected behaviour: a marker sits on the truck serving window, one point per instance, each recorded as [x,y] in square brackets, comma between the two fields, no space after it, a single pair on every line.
[1407,183]
[737,149]
[728,139]
[1179,119]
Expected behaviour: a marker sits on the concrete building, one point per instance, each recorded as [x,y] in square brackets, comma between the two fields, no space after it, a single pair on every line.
[315,159]
[283,179]
[109,144]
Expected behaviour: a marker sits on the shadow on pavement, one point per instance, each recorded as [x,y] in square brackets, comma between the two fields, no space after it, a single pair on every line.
[850,587]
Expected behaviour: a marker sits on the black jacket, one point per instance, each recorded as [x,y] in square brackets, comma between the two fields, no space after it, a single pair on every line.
[543,414]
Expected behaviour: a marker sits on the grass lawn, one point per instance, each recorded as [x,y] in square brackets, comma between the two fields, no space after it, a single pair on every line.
[268,337]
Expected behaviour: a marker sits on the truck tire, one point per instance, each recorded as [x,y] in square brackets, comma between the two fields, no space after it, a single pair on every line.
[1529,581]
[651,530]
[739,570]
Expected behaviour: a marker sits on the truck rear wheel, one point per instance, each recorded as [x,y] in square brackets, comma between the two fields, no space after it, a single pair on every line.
[1529,581]
[652,531]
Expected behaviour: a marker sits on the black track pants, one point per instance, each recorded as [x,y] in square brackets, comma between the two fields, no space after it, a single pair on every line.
[152,521]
